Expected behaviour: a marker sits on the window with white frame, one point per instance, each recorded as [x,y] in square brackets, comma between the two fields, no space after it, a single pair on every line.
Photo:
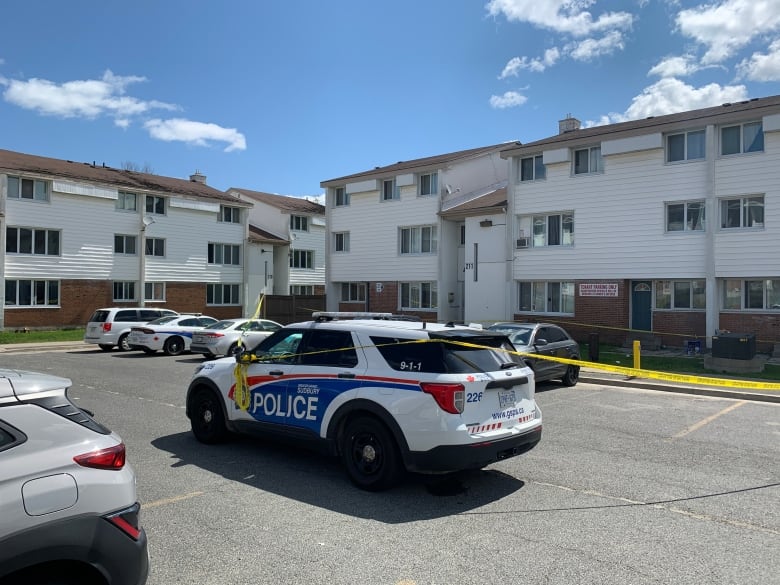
[299,223]
[223,294]
[155,247]
[32,189]
[389,190]
[742,138]
[429,184]
[418,295]
[742,212]
[301,289]
[126,201]
[685,146]
[302,259]
[124,290]
[588,161]
[226,254]
[154,291]
[35,241]
[418,239]
[751,294]
[340,197]
[531,168]
[680,294]
[353,292]
[229,214]
[155,205]
[32,293]
[549,229]
[685,216]
[546,297]
[341,241]
[125,244]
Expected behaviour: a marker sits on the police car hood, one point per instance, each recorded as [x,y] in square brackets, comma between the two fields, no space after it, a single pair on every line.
[21,382]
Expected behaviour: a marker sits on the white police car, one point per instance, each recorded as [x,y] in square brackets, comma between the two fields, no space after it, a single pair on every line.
[386,395]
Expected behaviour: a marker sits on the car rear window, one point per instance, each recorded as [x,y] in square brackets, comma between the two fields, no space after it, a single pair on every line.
[99,317]
[126,316]
[445,355]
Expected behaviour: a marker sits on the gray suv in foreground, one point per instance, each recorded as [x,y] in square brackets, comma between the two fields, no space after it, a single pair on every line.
[68,508]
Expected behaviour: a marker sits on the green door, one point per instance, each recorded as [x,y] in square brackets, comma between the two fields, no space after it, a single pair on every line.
[642,305]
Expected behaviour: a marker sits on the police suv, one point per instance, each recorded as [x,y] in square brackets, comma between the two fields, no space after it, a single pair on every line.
[384,393]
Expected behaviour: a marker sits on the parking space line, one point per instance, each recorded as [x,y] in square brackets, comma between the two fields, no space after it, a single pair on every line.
[172,500]
[707,420]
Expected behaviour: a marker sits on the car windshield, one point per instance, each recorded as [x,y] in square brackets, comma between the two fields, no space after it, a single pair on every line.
[221,325]
[517,333]
[163,320]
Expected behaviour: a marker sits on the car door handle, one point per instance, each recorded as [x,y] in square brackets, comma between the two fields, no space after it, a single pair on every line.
[347,375]
[276,373]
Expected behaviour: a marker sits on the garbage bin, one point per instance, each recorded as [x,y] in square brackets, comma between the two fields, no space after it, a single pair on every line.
[593,347]
[735,346]
[693,347]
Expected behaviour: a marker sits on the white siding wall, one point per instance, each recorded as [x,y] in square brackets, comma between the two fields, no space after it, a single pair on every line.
[313,240]
[486,297]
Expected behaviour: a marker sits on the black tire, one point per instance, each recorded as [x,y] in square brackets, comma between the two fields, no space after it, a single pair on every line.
[149,351]
[370,455]
[122,344]
[572,376]
[234,349]
[174,346]
[105,346]
[207,418]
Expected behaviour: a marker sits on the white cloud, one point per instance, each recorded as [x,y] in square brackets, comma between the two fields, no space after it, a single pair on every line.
[89,98]
[669,95]
[762,67]
[516,64]
[197,133]
[510,99]
[679,66]
[726,26]
[563,16]
[591,48]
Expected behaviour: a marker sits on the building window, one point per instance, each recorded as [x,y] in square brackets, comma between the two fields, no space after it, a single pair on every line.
[38,242]
[301,289]
[32,293]
[680,294]
[155,247]
[751,295]
[588,161]
[419,295]
[418,240]
[127,201]
[223,294]
[302,259]
[154,291]
[742,212]
[228,254]
[341,242]
[124,244]
[353,292]
[299,223]
[124,291]
[429,184]
[685,146]
[389,190]
[552,229]
[32,189]
[686,216]
[462,234]
[340,197]
[742,138]
[229,214]
[155,204]
[546,297]
[532,168]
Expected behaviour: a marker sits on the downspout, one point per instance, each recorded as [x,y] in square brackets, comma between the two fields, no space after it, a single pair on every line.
[712,299]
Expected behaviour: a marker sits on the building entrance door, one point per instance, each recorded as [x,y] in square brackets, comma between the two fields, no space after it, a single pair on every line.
[641,305]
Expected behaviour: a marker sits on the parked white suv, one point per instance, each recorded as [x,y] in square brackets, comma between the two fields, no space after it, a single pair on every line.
[109,327]
[68,508]
[385,395]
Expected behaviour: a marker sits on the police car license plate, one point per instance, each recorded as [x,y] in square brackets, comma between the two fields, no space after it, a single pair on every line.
[506,398]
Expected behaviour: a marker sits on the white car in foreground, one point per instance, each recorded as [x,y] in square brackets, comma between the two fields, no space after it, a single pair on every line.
[386,395]
[229,336]
[172,334]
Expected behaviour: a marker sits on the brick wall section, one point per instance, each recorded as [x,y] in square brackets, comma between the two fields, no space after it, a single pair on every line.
[674,328]
[765,326]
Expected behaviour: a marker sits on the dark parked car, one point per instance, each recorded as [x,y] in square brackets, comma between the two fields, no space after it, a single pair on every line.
[544,339]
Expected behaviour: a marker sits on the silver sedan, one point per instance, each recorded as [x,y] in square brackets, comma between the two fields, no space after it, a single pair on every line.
[229,336]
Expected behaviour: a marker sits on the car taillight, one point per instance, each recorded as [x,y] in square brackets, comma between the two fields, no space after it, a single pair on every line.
[450,397]
[128,520]
[112,458]
[106,327]
[212,335]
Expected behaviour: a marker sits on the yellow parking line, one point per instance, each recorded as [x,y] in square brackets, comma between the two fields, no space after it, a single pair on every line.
[709,419]
[172,500]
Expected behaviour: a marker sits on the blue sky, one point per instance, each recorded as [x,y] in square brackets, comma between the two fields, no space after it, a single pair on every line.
[279,96]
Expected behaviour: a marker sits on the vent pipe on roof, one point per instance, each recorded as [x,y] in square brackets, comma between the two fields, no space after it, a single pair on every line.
[568,124]
[198,177]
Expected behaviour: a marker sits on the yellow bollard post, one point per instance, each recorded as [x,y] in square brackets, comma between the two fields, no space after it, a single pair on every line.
[637,351]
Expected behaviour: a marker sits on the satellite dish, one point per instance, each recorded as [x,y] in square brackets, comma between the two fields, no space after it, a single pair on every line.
[148,220]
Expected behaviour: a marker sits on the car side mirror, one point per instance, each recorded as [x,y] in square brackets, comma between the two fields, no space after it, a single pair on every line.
[540,342]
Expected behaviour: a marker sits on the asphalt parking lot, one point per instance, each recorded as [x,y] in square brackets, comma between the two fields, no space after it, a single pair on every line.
[627,486]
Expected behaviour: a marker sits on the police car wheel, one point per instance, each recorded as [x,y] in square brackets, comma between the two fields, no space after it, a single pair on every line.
[206,417]
[174,346]
[122,344]
[370,454]
[572,376]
